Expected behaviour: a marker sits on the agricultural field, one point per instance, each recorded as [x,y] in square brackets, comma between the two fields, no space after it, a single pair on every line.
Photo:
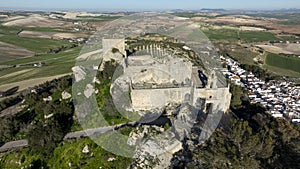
[51,35]
[221,35]
[237,34]
[37,45]
[54,64]
[280,48]
[256,36]
[284,62]
[98,18]
[12,52]
[35,20]
[9,35]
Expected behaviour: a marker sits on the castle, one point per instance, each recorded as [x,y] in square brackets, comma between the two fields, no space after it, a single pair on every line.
[156,78]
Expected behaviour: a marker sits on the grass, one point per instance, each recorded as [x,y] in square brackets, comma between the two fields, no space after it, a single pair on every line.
[37,45]
[18,159]
[281,72]
[256,36]
[234,35]
[221,34]
[283,61]
[49,58]
[185,15]
[102,98]
[93,18]
[242,55]
[71,152]
[101,18]
[290,18]
[56,64]
[16,29]
[65,153]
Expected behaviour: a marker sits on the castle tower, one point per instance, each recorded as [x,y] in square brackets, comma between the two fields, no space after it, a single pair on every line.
[212,80]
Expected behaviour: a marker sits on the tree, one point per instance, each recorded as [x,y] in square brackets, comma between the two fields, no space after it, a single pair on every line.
[8,128]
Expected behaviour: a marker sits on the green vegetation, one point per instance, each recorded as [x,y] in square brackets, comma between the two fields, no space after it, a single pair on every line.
[104,99]
[8,129]
[24,158]
[71,152]
[277,71]
[247,138]
[283,61]
[64,154]
[227,35]
[38,45]
[287,18]
[234,35]
[54,64]
[256,36]
[100,18]
[239,95]
[257,71]
[15,29]
[185,15]
[92,18]
[240,53]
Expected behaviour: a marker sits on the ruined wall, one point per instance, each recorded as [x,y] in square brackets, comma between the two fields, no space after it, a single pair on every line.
[147,99]
[108,44]
[219,97]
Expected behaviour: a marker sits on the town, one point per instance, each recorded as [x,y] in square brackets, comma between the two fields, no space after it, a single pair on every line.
[280,98]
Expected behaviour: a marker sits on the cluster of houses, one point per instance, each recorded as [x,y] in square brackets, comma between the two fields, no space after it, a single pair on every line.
[282,99]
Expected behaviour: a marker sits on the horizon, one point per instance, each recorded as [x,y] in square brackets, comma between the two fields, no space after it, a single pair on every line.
[95,10]
[155,5]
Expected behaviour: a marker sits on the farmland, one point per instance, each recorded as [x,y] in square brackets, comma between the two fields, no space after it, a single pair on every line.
[44,45]
[256,36]
[11,52]
[55,64]
[235,35]
[283,61]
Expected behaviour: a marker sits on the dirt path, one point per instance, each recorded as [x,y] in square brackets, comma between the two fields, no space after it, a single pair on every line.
[30,83]
[15,73]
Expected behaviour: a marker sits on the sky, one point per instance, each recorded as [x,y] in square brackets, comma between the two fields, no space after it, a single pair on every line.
[148,4]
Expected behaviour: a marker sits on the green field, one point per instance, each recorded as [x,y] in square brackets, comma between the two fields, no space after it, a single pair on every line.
[230,35]
[16,29]
[283,62]
[234,35]
[56,64]
[37,45]
[256,36]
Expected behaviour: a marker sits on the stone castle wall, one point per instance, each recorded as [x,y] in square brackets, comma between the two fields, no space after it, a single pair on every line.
[147,99]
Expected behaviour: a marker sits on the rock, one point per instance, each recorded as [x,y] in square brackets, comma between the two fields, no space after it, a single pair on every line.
[47,99]
[156,151]
[95,80]
[89,90]
[85,149]
[79,73]
[65,95]
[48,116]
[111,159]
